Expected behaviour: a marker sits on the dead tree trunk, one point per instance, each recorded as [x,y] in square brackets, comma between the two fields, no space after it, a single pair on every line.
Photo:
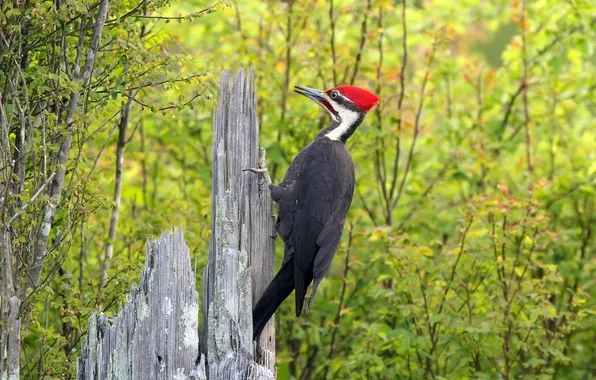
[242,228]
[156,334]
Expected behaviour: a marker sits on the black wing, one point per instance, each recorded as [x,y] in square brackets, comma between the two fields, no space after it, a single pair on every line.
[329,239]
[324,193]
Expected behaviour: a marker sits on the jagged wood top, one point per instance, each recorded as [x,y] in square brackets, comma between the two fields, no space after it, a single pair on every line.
[242,247]
[155,334]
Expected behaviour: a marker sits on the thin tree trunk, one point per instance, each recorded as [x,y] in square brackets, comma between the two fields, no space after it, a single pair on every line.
[122,130]
[10,303]
[10,339]
[56,189]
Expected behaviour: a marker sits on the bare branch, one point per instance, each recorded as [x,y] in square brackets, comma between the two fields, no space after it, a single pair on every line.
[416,124]
[32,199]
[332,42]
[400,100]
[122,130]
[363,31]
[524,33]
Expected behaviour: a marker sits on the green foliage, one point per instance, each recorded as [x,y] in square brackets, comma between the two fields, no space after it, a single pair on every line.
[492,146]
[471,244]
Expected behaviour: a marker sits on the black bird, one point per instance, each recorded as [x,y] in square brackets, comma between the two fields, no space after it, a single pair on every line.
[313,200]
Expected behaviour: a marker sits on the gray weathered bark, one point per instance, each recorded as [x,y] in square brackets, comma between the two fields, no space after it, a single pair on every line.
[10,303]
[155,335]
[10,338]
[242,228]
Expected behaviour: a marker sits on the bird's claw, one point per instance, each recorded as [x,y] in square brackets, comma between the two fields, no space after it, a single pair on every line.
[262,173]
[274,232]
[258,350]
[261,170]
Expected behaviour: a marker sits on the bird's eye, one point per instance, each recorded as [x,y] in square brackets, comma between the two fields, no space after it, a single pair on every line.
[333,94]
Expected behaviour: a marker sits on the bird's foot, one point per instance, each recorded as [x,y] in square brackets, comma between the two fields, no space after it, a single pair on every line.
[258,350]
[261,170]
[274,232]
[263,173]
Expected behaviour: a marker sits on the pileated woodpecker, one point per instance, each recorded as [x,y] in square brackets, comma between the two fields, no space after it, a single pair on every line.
[313,200]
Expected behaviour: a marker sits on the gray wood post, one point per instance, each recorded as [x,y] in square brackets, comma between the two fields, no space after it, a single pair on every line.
[241,246]
[156,333]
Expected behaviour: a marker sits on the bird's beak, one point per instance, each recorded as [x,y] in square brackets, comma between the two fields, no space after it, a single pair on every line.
[314,95]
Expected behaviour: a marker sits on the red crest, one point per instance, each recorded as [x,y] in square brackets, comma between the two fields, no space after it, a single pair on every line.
[363,99]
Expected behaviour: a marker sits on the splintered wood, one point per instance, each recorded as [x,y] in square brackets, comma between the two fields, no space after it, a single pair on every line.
[156,333]
[241,245]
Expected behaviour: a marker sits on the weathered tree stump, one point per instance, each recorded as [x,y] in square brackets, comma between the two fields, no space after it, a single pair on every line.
[242,228]
[156,333]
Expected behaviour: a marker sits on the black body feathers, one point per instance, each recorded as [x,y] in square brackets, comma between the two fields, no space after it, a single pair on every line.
[313,200]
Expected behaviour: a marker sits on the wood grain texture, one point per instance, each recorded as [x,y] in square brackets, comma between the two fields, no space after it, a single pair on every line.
[156,333]
[242,248]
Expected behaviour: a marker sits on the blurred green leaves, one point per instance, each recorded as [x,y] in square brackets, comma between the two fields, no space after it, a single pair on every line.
[480,268]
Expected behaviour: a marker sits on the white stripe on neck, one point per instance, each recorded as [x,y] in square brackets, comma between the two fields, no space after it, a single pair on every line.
[347,118]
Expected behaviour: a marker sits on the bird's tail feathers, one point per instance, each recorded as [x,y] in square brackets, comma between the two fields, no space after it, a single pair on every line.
[278,290]
[300,294]
[312,295]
